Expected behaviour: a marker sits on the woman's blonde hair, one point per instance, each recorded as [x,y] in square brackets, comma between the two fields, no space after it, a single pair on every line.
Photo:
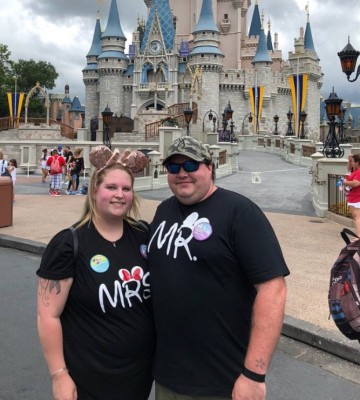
[90,212]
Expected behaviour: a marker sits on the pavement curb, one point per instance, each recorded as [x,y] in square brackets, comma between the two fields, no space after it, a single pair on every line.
[29,246]
[323,339]
[302,331]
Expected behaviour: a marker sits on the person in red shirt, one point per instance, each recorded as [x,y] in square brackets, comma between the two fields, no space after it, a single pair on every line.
[353,196]
[56,164]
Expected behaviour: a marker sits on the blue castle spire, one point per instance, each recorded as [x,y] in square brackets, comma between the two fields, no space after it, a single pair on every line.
[113,28]
[308,39]
[206,20]
[255,26]
[262,54]
[162,9]
[95,48]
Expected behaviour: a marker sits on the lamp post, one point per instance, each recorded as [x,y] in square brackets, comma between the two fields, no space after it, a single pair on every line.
[276,120]
[303,116]
[289,131]
[107,116]
[212,119]
[188,113]
[243,123]
[341,130]
[331,144]
[348,58]
[227,115]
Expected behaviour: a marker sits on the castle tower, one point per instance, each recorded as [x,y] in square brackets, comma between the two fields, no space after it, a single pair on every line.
[305,61]
[260,85]
[112,63]
[206,53]
[91,76]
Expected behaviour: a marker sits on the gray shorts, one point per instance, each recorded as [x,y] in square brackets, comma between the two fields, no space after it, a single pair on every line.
[162,393]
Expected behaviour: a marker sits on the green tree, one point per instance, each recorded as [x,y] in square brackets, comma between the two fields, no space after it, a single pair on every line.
[5,78]
[24,74]
[29,72]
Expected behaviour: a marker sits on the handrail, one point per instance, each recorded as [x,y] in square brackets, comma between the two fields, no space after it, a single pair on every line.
[7,123]
[176,112]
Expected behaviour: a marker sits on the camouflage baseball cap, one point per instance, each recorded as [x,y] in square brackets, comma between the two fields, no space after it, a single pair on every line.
[189,147]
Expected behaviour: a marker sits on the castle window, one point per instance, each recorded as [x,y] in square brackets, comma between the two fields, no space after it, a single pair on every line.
[202,55]
[226,75]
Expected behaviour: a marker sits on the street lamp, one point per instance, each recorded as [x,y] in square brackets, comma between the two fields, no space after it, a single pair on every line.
[107,116]
[212,119]
[289,131]
[331,144]
[303,116]
[227,115]
[243,123]
[276,120]
[188,113]
[341,130]
[348,58]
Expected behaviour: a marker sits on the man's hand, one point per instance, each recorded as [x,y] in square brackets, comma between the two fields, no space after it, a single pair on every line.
[246,389]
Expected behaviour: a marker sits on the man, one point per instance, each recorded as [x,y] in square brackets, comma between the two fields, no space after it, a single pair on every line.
[218,288]
[56,164]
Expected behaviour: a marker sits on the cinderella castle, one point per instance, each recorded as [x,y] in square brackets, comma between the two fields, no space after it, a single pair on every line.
[206,56]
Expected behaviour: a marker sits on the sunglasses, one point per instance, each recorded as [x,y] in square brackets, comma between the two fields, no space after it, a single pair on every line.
[187,166]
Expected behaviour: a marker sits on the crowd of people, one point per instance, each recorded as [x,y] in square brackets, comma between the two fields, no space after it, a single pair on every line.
[203,327]
[64,167]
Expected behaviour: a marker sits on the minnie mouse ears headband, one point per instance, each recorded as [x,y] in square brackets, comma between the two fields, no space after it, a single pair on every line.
[102,157]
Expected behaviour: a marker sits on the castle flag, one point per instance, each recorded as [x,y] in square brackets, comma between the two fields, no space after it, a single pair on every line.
[15,101]
[298,86]
[256,101]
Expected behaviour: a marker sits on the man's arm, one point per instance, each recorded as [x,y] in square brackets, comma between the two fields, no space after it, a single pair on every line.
[267,321]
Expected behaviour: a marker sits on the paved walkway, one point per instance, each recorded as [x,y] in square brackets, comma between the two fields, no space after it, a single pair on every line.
[310,244]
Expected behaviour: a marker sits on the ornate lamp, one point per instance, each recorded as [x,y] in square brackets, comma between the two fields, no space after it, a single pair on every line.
[289,131]
[331,144]
[188,113]
[107,116]
[276,120]
[348,58]
[302,117]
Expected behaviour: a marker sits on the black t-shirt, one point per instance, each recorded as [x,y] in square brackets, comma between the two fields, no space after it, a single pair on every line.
[205,260]
[79,165]
[107,321]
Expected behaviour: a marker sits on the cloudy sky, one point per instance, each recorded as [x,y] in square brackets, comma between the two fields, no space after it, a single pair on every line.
[60,32]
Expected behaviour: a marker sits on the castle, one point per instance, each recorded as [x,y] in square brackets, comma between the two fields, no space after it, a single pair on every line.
[201,54]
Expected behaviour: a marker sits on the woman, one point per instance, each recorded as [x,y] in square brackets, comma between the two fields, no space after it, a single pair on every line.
[353,196]
[12,171]
[94,313]
[44,168]
[75,167]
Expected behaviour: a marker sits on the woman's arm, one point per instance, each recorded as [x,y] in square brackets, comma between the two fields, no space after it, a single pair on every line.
[51,300]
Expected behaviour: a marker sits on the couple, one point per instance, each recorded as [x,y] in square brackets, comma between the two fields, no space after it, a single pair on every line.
[208,326]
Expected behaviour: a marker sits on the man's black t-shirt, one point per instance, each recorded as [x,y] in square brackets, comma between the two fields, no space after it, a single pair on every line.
[205,260]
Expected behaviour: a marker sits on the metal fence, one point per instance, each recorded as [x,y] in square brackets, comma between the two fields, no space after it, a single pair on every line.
[337,196]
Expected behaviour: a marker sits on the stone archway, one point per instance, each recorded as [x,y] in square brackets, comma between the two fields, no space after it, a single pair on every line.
[47,101]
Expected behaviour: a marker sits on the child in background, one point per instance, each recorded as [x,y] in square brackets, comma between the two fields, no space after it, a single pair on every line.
[12,170]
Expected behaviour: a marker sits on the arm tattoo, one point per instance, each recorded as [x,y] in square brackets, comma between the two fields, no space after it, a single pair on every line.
[45,287]
[260,363]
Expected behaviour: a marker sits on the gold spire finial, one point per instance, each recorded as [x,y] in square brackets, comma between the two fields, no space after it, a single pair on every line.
[307,8]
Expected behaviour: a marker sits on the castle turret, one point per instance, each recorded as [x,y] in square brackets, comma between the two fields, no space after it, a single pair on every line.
[91,76]
[112,63]
[206,53]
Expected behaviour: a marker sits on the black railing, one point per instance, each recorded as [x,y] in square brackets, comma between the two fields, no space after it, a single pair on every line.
[337,196]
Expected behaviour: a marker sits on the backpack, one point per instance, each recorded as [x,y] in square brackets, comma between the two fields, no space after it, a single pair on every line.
[343,297]
[55,167]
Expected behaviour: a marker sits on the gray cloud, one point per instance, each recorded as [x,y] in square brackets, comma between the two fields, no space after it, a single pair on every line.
[331,23]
